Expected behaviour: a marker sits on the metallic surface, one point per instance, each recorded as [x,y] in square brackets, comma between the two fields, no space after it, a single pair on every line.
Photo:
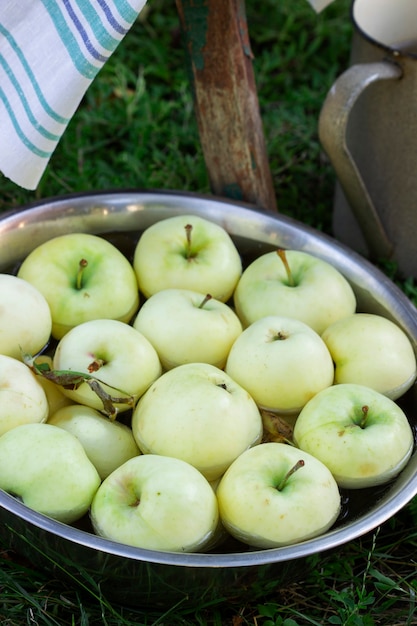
[368,128]
[146,578]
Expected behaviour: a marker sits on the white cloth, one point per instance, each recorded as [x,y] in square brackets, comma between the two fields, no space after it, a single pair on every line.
[50,51]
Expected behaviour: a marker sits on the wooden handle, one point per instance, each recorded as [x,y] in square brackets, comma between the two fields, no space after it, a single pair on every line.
[226,100]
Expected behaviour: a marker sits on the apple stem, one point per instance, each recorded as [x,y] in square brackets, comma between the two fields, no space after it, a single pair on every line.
[365,410]
[295,467]
[135,503]
[282,255]
[188,229]
[204,302]
[95,365]
[81,267]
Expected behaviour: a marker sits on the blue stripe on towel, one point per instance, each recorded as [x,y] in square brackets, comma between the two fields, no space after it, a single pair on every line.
[124,9]
[103,36]
[83,33]
[15,47]
[81,63]
[41,129]
[40,153]
[111,18]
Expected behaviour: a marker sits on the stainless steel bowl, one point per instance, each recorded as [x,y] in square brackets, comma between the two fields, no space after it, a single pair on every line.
[146,578]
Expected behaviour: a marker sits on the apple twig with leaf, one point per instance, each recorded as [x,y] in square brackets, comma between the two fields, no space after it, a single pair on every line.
[69,379]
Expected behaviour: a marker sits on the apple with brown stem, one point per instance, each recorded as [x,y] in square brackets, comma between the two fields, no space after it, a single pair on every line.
[361,435]
[187,252]
[293,284]
[187,326]
[82,277]
[275,495]
[282,362]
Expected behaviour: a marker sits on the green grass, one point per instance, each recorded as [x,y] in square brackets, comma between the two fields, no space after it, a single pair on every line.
[136,125]
[371,581]
[136,128]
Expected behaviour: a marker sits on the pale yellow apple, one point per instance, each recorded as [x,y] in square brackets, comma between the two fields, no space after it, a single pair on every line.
[108,443]
[49,470]
[315,293]
[123,361]
[263,504]
[362,436]
[157,503]
[22,397]
[187,252]
[197,413]
[82,277]
[25,317]
[186,326]
[371,350]
[282,362]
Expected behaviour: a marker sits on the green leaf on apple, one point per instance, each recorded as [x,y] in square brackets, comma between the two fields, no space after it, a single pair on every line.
[72,380]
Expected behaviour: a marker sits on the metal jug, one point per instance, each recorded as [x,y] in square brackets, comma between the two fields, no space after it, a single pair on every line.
[368,127]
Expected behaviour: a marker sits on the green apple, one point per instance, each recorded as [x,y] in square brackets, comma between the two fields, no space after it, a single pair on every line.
[157,503]
[197,413]
[115,354]
[48,469]
[82,277]
[293,284]
[187,252]
[275,495]
[25,317]
[108,444]
[22,397]
[188,327]
[362,436]
[371,350]
[281,362]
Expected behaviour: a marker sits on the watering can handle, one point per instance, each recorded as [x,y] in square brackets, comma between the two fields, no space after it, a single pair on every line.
[333,121]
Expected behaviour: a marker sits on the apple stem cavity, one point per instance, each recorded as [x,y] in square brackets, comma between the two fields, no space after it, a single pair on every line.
[280,336]
[81,267]
[204,301]
[282,255]
[295,467]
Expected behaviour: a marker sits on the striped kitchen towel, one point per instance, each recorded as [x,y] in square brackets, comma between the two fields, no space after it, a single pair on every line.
[50,52]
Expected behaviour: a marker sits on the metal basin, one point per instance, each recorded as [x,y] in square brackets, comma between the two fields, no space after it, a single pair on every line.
[140,577]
